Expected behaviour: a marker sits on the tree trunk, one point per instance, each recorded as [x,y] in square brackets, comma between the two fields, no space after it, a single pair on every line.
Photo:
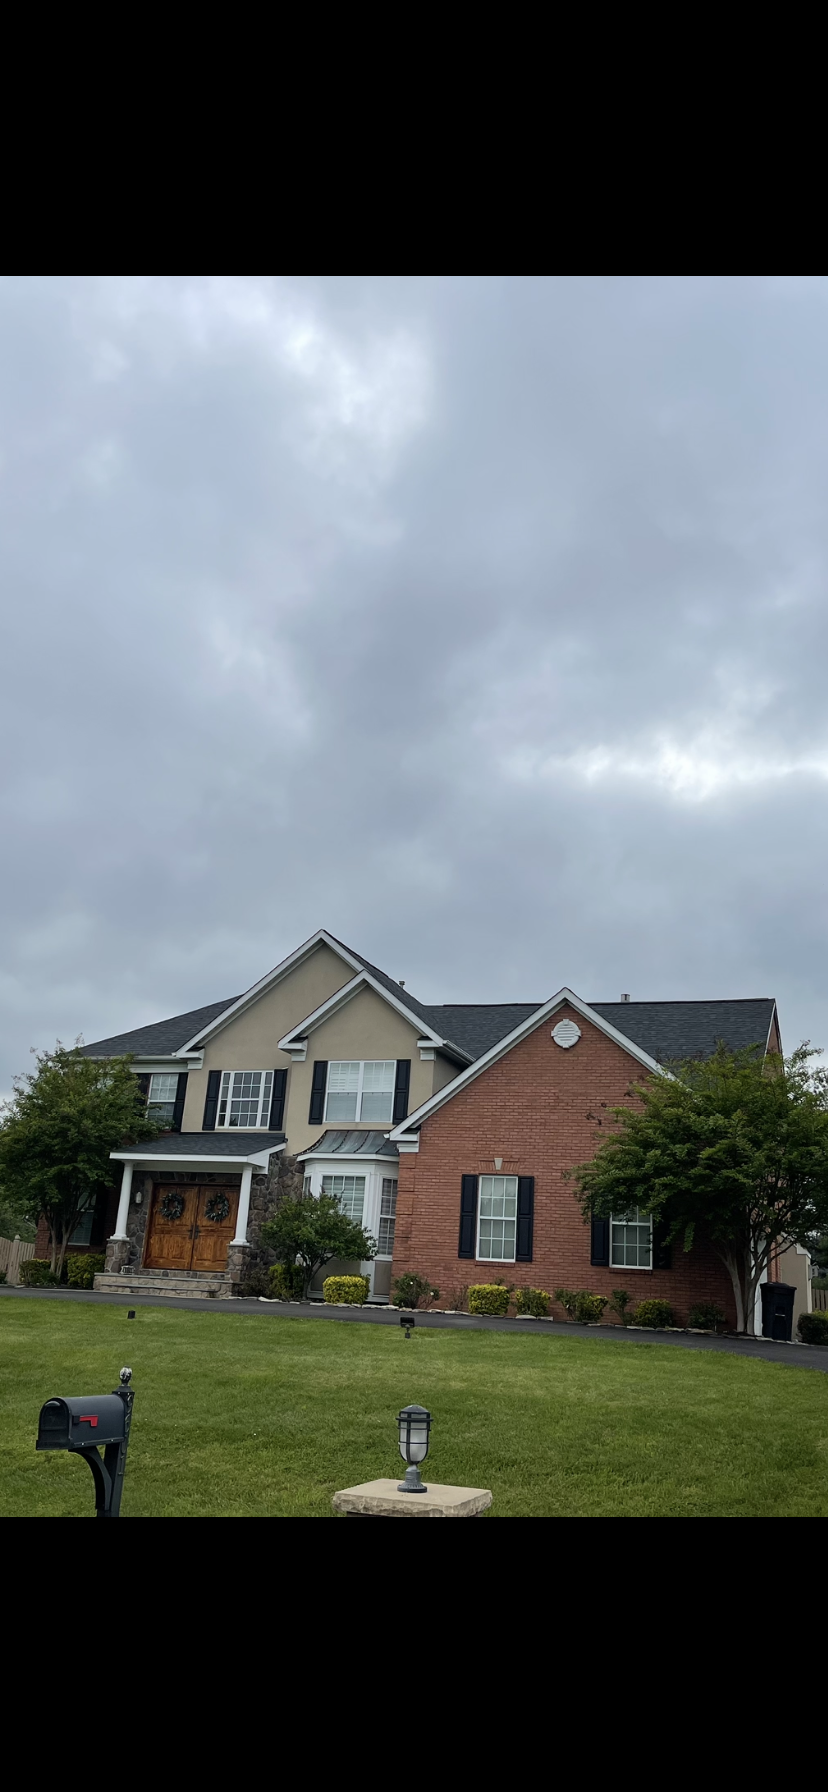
[733,1268]
[52,1247]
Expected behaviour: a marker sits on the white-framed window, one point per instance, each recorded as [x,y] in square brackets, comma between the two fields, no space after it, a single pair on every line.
[163,1089]
[497,1218]
[361,1091]
[631,1240]
[350,1193]
[388,1217]
[244,1099]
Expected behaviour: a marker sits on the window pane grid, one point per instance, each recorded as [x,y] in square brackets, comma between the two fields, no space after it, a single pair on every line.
[497,1224]
[388,1209]
[163,1088]
[245,1098]
[632,1240]
[349,1192]
[361,1091]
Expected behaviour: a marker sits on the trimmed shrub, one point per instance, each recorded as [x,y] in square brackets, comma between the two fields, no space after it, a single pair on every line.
[489,1297]
[410,1289]
[81,1271]
[655,1313]
[286,1281]
[578,1304]
[353,1290]
[813,1328]
[534,1301]
[619,1303]
[37,1273]
[705,1316]
[3,1276]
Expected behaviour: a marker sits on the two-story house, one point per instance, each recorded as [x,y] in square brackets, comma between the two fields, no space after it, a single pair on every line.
[331,1074]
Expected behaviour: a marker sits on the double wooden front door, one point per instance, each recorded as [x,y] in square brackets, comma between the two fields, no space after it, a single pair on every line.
[190,1227]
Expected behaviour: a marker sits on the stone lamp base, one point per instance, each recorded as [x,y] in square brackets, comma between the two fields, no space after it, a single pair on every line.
[383,1499]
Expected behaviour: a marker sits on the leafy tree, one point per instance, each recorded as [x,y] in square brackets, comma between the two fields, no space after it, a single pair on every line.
[57,1131]
[732,1149]
[310,1230]
[17,1220]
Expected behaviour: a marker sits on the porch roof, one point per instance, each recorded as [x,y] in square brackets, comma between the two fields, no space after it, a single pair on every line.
[201,1147]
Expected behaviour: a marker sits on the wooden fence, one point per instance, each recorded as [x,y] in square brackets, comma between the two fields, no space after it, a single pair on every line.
[12,1253]
[819,1297]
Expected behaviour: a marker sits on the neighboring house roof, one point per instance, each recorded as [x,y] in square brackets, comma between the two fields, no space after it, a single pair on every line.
[673,1030]
[204,1144]
[162,1037]
[351,1144]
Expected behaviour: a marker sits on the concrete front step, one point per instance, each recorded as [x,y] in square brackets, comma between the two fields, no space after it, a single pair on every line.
[165,1281]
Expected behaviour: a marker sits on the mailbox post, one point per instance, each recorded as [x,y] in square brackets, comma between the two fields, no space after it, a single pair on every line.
[82,1425]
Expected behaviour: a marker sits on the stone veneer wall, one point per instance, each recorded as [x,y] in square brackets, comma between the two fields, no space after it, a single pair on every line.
[283,1181]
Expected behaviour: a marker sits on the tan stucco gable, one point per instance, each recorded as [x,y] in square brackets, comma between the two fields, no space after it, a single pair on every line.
[248,1040]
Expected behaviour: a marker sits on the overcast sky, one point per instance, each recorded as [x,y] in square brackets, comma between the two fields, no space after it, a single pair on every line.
[482,622]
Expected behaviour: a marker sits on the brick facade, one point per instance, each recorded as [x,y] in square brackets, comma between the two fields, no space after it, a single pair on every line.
[541,1110]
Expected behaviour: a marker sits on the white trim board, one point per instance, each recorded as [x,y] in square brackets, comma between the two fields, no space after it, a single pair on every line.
[161,1160]
[293,1040]
[401,1135]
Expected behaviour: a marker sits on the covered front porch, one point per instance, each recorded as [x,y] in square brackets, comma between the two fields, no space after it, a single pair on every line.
[184,1212]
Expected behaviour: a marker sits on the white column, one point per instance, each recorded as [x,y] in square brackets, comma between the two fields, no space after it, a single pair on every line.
[123,1204]
[244,1205]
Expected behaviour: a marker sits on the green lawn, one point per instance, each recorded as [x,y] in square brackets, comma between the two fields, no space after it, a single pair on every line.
[241,1416]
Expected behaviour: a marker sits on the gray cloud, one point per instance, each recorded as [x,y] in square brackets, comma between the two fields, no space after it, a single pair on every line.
[482,622]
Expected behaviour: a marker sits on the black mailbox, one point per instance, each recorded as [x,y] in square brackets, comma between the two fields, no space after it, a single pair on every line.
[69,1424]
[777,1310]
[81,1423]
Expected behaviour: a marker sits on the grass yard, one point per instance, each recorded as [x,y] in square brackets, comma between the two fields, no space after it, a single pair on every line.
[240,1416]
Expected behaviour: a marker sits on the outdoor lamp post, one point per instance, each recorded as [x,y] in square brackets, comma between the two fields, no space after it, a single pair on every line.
[414,1423]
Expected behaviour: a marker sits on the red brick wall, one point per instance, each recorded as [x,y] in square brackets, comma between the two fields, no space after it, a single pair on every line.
[541,1110]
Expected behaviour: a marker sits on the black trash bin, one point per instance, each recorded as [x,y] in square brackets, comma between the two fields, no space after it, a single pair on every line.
[777,1310]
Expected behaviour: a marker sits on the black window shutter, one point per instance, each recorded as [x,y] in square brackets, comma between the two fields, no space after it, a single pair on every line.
[662,1251]
[277,1105]
[144,1086]
[401,1088]
[600,1252]
[316,1112]
[180,1094]
[468,1216]
[208,1124]
[525,1229]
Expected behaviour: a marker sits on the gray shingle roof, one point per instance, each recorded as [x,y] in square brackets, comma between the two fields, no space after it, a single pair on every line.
[161,1037]
[209,1144]
[361,1144]
[671,1030]
[477,1026]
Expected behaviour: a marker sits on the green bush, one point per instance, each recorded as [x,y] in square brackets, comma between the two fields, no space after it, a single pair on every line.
[820,1282]
[353,1290]
[813,1328]
[410,1289]
[37,1273]
[534,1301]
[619,1303]
[656,1313]
[705,1316]
[578,1304]
[81,1271]
[3,1276]
[286,1281]
[489,1297]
